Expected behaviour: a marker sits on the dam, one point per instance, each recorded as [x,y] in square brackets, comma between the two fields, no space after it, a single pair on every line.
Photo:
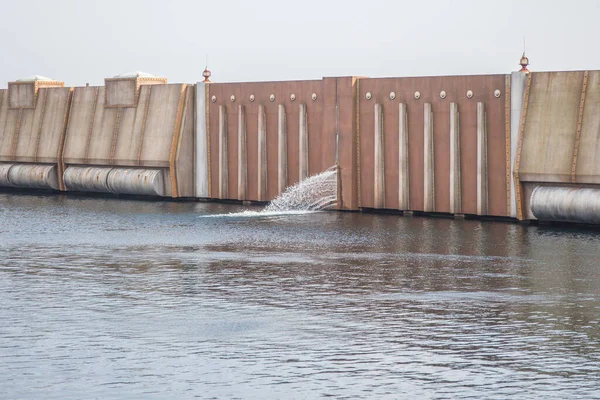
[521,146]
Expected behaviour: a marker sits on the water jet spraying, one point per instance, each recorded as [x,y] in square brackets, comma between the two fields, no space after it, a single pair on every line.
[315,193]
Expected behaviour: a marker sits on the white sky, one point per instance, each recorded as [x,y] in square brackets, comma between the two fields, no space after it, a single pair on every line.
[81,41]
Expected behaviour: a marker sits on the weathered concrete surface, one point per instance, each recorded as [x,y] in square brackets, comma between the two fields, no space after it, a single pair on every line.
[156,130]
[201,156]
[566,204]
[33,135]
[550,127]
[181,157]
[517,90]
[587,160]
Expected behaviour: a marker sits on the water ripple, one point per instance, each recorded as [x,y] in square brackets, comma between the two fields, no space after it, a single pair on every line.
[117,299]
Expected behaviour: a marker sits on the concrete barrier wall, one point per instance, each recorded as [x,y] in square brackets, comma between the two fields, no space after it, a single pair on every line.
[157,131]
[449,144]
[33,134]
[289,131]
[586,163]
[558,138]
[42,122]
[551,126]
[417,122]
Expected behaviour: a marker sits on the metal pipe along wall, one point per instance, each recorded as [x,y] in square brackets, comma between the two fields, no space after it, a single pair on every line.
[566,204]
[31,176]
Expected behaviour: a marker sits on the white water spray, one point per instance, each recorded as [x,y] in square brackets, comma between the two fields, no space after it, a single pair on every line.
[315,193]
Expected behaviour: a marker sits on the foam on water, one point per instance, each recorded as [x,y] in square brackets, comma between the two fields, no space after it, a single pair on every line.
[254,214]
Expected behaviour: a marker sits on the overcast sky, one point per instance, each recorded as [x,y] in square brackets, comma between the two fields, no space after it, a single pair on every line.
[81,41]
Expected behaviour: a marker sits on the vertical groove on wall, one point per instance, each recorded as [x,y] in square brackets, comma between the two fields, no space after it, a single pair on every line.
[358,179]
[379,158]
[207,116]
[63,137]
[579,121]
[41,124]
[15,138]
[428,157]
[303,145]
[242,155]
[91,127]
[175,141]
[113,144]
[223,168]
[262,153]
[403,164]
[145,118]
[455,170]
[520,147]
[482,160]
[282,171]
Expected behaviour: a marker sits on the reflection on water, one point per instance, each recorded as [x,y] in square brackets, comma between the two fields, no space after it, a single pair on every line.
[104,298]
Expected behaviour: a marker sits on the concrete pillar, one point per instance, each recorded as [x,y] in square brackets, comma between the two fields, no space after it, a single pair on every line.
[223,169]
[303,147]
[455,183]
[518,82]
[429,183]
[282,162]
[262,153]
[201,184]
[242,155]
[379,148]
[403,176]
[482,170]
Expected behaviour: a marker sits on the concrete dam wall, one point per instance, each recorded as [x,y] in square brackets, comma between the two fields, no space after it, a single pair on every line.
[463,145]
[135,135]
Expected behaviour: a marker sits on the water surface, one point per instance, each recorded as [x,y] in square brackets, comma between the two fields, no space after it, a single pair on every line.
[123,299]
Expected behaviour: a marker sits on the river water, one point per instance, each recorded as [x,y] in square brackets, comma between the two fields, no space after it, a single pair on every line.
[125,299]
